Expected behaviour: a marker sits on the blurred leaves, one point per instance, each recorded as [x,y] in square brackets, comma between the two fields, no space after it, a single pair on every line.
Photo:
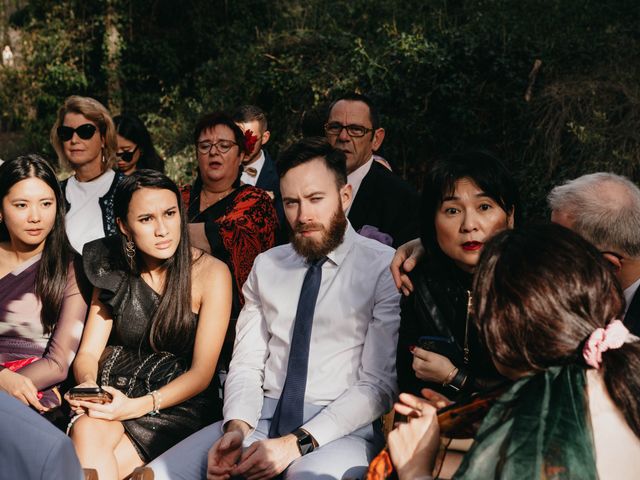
[446,74]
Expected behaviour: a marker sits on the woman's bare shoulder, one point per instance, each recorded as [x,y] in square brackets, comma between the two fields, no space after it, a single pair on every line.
[206,267]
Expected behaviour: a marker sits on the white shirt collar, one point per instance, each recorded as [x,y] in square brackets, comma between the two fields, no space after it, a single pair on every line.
[257,164]
[355,179]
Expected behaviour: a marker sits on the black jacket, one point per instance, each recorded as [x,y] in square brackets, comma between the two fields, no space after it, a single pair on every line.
[438,307]
[387,202]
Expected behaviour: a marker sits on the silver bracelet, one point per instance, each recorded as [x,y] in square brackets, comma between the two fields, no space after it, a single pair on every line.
[157,401]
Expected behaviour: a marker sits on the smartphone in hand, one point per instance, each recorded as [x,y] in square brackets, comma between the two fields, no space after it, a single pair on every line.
[90,394]
[443,346]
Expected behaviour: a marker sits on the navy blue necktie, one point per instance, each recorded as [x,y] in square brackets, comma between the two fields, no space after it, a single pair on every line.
[288,414]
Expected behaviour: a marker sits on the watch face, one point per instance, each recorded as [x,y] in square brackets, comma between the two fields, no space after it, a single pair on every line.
[305,442]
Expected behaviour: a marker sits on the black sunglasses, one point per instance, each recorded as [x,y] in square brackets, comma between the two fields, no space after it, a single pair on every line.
[127,156]
[85,132]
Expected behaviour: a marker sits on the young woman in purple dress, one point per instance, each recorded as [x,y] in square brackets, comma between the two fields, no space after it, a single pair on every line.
[42,311]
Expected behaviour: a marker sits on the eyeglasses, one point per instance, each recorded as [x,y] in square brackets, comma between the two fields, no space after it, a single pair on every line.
[357,131]
[222,146]
[85,132]
[127,156]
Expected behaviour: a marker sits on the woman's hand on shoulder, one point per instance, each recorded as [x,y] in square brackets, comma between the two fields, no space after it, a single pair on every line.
[431,367]
[20,387]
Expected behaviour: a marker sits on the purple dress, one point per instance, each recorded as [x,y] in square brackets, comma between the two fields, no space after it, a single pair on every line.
[22,335]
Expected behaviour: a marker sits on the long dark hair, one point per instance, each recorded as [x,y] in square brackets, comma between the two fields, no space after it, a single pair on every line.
[539,293]
[480,166]
[172,325]
[131,127]
[51,278]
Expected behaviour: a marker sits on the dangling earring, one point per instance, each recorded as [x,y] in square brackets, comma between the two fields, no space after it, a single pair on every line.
[104,159]
[130,251]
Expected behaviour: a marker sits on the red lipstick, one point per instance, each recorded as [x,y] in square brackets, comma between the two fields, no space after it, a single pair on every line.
[472,246]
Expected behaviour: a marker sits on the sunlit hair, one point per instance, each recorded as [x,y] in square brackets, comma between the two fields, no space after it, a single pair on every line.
[538,294]
[129,126]
[311,148]
[98,114]
[604,208]
[172,326]
[482,168]
[51,278]
[251,113]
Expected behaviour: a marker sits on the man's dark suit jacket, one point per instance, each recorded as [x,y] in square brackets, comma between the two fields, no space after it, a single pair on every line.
[632,318]
[268,180]
[387,202]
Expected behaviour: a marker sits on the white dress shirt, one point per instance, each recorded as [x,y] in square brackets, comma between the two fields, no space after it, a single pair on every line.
[84,218]
[257,164]
[353,341]
[355,180]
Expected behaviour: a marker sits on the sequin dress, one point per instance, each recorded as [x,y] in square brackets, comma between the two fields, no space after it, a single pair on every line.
[132,304]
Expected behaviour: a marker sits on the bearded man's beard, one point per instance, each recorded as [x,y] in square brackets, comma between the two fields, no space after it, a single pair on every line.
[332,237]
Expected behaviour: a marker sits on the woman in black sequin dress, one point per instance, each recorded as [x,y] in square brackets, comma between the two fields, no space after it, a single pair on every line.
[153,294]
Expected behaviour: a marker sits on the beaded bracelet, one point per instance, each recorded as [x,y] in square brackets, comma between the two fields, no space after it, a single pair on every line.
[157,401]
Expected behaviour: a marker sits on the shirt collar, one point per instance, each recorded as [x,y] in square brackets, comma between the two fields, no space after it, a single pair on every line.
[338,255]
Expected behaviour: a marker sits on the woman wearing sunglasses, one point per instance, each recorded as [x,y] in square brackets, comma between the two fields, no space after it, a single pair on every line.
[135,147]
[233,222]
[84,138]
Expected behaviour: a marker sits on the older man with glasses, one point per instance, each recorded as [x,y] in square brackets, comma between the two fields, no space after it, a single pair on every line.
[385,207]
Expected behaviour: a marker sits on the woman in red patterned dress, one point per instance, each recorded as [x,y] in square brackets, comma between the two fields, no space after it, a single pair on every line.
[233,222]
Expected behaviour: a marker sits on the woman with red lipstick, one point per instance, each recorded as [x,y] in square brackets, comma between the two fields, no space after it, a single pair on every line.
[233,222]
[42,311]
[84,138]
[466,199]
[158,317]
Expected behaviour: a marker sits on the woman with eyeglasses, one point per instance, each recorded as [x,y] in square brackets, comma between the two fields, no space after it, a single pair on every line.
[233,222]
[84,138]
[135,147]
[42,310]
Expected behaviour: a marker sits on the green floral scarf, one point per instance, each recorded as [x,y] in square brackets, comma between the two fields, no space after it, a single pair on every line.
[539,429]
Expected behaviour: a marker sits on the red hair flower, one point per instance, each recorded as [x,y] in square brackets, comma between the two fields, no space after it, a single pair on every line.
[250,141]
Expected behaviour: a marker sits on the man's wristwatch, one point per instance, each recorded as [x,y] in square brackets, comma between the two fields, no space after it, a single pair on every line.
[306,443]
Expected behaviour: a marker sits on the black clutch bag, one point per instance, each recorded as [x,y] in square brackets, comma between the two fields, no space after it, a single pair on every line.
[137,375]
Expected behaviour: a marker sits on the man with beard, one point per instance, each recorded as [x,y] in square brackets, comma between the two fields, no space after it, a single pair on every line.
[313,364]
[381,199]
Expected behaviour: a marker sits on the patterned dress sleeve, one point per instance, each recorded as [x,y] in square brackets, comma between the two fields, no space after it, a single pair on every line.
[53,367]
[248,230]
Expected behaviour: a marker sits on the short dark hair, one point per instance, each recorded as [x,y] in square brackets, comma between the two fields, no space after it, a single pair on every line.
[251,113]
[374,116]
[481,167]
[309,149]
[210,120]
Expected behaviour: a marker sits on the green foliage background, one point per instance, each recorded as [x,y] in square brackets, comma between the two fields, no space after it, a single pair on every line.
[447,75]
